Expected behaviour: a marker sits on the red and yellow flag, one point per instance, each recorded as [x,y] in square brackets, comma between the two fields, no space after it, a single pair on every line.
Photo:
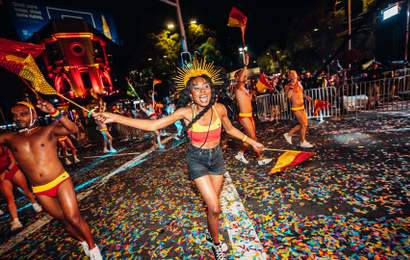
[238,19]
[290,158]
[319,104]
[156,81]
[17,57]
[263,84]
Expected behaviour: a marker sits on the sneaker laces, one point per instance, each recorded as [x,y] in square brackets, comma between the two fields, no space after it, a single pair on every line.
[219,251]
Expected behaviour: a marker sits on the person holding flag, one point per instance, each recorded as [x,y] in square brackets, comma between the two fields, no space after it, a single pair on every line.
[294,92]
[34,148]
[244,101]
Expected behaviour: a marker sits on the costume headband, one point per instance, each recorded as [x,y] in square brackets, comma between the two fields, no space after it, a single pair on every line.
[196,69]
[26,104]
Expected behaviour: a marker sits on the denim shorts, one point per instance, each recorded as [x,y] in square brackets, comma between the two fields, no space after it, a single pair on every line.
[203,162]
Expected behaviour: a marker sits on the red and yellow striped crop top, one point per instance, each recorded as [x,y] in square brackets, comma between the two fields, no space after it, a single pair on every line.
[199,133]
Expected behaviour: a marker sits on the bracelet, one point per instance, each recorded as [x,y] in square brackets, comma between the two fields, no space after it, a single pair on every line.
[245,137]
[56,115]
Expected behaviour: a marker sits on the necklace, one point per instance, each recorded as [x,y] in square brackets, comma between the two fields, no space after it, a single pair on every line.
[27,131]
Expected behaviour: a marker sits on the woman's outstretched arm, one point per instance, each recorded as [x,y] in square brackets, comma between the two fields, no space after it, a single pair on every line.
[143,124]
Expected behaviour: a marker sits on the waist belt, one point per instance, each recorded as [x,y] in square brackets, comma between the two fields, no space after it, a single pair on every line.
[60,178]
[245,114]
[298,108]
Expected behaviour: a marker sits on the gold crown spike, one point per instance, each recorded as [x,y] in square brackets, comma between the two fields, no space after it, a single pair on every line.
[197,68]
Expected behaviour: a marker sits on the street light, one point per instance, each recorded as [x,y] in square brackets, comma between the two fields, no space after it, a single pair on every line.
[243,49]
[175,3]
[171,26]
[193,21]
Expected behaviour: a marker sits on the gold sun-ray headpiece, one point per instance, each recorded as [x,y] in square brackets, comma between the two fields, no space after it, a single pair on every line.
[196,69]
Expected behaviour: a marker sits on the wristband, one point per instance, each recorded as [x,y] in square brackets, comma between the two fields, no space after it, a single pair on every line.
[56,115]
[245,137]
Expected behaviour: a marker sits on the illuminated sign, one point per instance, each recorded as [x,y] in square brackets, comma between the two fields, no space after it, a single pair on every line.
[391,11]
[30,16]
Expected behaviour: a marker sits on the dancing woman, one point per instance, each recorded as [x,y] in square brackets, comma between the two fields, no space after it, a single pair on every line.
[204,119]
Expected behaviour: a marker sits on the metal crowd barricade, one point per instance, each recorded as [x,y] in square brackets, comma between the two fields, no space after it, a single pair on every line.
[277,107]
[387,94]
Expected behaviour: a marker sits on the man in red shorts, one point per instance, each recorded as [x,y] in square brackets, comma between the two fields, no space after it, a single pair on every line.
[35,150]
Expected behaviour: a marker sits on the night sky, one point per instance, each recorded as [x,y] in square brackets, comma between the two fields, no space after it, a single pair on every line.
[268,21]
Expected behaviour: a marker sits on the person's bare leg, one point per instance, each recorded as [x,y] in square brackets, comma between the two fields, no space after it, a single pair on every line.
[73,150]
[68,202]
[247,128]
[6,188]
[209,195]
[21,182]
[109,139]
[302,119]
[53,208]
[294,130]
[63,148]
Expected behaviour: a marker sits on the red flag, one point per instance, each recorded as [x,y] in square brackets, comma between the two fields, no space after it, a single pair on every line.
[319,104]
[20,49]
[238,19]
[156,81]
[263,83]
[12,54]
[290,158]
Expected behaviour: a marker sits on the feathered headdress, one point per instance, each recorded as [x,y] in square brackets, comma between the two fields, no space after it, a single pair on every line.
[196,69]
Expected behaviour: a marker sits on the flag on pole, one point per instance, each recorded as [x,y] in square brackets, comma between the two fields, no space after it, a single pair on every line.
[238,19]
[156,81]
[263,84]
[20,49]
[319,105]
[27,69]
[290,158]
[130,90]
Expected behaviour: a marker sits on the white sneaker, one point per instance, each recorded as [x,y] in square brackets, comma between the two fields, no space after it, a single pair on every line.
[239,156]
[76,160]
[106,150]
[220,251]
[264,161]
[85,247]
[1,212]
[306,144]
[67,161]
[288,138]
[95,253]
[37,208]
[112,150]
[15,224]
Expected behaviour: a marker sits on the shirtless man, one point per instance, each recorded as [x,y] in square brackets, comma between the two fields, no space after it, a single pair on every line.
[35,150]
[65,143]
[294,92]
[244,101]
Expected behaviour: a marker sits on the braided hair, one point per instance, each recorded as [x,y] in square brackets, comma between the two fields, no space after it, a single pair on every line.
[185,99]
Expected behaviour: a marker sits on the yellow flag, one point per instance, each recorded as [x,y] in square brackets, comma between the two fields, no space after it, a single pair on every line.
[32,73]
